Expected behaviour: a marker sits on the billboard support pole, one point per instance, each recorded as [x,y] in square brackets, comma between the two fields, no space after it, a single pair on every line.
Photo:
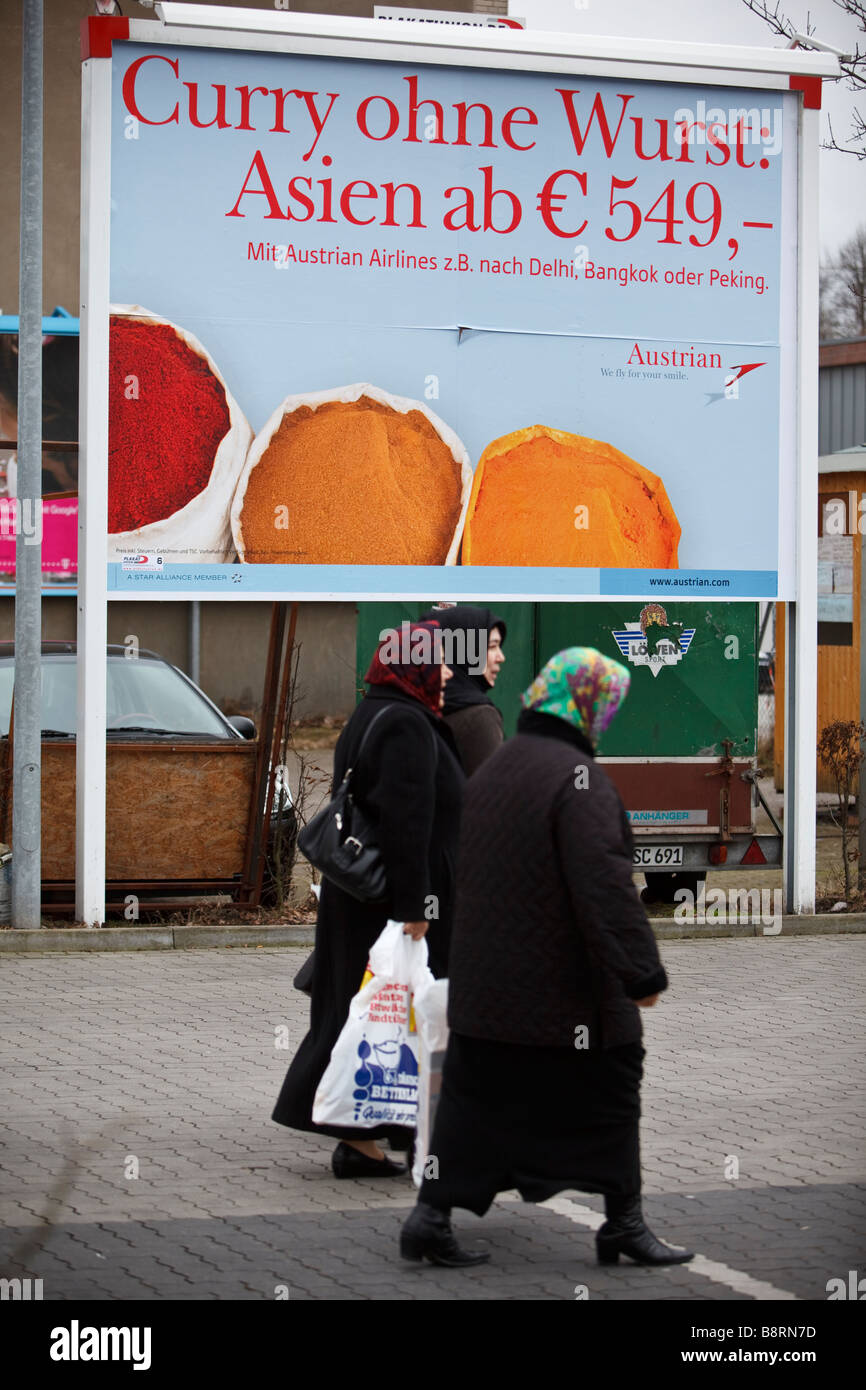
[27,744]
[93,494]
[801,677]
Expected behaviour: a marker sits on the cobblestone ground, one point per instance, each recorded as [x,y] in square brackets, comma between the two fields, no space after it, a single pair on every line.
[167,1065]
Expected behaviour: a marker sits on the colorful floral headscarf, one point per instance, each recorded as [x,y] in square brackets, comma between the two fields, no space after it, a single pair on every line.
[410,658]
[581,686]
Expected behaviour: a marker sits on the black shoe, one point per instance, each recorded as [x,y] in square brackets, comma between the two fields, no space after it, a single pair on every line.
[626,1233]
[347,1162]
[427,1234]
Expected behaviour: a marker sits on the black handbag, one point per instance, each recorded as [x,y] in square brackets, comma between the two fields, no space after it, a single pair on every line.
[340,842]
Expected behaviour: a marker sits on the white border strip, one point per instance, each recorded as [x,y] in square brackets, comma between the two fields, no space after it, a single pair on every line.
[93,493]
[733,1279]
[801,683]
[495,45]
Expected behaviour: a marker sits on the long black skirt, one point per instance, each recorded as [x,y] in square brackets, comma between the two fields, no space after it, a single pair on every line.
[538,1119]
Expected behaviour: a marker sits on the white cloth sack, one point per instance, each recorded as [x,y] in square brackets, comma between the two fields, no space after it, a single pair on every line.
[372,1077]
[431,1014]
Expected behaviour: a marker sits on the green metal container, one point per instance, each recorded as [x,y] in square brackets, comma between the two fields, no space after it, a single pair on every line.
[694,678]
[685,702]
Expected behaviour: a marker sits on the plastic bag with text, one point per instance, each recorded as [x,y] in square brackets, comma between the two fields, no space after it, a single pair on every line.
[372,1077]
[431,1014]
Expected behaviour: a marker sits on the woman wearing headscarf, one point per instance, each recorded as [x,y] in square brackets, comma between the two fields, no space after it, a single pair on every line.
[551,957]
[474,650]
[408,782]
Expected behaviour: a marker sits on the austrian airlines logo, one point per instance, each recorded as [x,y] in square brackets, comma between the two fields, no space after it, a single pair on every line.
[732,382]
[653,641]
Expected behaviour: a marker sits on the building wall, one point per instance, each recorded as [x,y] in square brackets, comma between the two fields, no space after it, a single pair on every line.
[234,646]
[841,395]
[841,408]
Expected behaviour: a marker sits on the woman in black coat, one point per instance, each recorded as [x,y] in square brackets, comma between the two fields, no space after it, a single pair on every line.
[409,783]
[473,640]
[551,957]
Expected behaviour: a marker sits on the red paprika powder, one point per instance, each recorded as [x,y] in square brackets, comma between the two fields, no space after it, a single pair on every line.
[167,414]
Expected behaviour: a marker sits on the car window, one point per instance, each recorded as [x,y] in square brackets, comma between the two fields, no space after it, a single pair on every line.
[58,694]
[141,693]
[7,677]
[59,679]
[153,695]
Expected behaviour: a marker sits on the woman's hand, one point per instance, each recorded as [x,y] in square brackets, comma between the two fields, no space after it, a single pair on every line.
[648,1002]
[416,930]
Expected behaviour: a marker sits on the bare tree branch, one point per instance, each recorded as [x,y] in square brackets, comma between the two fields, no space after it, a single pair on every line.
[853,65]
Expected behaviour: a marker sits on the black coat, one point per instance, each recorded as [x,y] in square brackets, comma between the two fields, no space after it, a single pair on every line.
[549,934]
[478,733]
[410,784]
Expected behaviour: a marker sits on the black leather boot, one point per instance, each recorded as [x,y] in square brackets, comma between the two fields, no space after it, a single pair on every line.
[427,1234]
[347,1162]
[625,1233]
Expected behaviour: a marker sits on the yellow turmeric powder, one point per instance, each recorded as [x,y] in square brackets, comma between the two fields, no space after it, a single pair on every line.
[544,497]
[352,482]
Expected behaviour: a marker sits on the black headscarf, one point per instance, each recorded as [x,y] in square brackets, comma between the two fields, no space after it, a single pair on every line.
[464,689]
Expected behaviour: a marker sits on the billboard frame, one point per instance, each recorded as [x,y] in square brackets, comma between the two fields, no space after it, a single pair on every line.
[203,26]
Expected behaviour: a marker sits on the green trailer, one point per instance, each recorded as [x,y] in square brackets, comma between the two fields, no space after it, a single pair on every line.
[683,749]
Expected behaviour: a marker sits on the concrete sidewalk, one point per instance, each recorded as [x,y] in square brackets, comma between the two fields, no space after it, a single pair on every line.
[139,1161]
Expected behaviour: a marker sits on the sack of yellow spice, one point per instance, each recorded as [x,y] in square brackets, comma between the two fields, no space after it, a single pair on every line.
[351,476]
[541,496]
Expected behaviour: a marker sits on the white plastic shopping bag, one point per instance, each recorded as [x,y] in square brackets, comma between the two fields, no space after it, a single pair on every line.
[431,1014]
[372,1077]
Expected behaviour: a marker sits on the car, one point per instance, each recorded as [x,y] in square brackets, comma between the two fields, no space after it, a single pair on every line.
[148,700]
[147,697]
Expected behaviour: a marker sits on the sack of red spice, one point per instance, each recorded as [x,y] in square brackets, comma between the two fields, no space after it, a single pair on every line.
[177,442]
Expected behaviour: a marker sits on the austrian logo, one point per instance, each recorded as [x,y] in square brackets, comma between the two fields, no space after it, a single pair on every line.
[653,641]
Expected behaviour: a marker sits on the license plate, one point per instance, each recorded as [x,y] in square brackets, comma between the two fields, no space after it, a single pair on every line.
[658,856]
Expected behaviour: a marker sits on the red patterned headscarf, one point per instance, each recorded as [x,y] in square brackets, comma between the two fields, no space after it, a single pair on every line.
[410,657]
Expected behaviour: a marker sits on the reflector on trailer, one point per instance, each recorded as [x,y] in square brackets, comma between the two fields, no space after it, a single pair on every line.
[754,854]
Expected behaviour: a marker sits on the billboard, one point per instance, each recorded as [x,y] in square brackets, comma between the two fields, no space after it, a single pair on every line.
[388,328]
[55,520]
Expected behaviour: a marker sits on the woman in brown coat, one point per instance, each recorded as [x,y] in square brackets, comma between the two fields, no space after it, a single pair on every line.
[473,640]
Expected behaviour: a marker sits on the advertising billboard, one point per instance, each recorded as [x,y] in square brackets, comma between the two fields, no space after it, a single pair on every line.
[390,328]
[54,521]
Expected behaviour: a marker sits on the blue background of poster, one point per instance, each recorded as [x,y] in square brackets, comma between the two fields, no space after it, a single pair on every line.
[555,342]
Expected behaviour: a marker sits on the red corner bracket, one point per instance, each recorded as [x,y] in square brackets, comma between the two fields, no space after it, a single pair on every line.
[98,32]
[811,89]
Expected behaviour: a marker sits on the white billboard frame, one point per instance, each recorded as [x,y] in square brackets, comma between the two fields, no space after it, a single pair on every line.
[204,26]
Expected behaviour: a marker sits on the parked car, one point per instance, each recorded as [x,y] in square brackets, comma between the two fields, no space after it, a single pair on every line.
[148,700]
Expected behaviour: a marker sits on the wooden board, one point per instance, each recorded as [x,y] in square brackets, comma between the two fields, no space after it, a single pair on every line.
[175,811]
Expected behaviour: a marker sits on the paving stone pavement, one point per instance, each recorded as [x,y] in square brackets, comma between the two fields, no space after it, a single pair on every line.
[166,1065]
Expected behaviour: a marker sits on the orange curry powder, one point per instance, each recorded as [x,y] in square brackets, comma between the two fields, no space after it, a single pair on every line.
[528,494]
[352,483]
